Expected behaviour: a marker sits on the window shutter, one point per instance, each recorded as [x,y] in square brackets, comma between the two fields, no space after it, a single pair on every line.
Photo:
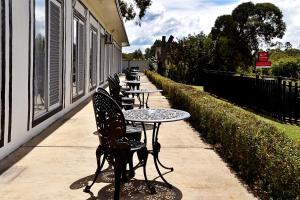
[94,75]
[102,58]
[81,56]
[55,45]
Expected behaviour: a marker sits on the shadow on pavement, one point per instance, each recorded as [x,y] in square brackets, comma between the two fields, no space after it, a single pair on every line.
[133,189]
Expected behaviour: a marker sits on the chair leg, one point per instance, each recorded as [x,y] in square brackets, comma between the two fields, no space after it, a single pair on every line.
[131,169]
[117,184]
[118,172]
[99,153]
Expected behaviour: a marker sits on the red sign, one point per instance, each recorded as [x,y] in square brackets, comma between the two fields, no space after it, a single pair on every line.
[263,60]
[263,54]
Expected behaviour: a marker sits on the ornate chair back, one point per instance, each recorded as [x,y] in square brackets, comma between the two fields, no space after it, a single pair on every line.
[117,79]
[110,120]
[100,89]
[114,89]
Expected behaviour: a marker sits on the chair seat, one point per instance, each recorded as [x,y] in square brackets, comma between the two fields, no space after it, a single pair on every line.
[127,99]
[135,145]
[133,133]
[132,129]
[126,104]
[125,88]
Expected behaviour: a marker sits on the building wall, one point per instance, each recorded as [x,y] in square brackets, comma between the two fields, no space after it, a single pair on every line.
[143,64]
[17,59]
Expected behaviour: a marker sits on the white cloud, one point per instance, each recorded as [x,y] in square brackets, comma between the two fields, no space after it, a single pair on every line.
[181,18]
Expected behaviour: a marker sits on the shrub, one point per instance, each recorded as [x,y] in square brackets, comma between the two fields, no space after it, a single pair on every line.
[263,155]
[289,69]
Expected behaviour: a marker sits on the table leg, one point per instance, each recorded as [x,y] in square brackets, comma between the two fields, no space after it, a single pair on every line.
[139,98]
[145,134]
[143,100]
[147,100]
[156,149]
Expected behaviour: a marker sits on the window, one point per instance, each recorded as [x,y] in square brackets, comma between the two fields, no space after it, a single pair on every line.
[78,58]
[116,59]
[93,57]
[48,40]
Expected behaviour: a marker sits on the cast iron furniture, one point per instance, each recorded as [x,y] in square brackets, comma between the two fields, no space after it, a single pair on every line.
[142,101]
[134,68]
[132,132]
[132,75]
[156,116]
[134,85]
[114,145]
[115,92]
[100,89]
[117,81]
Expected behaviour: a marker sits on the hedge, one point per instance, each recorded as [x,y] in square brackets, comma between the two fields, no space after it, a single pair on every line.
[262,155]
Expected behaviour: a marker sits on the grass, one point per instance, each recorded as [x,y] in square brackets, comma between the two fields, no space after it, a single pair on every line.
[292,131]
[199,88]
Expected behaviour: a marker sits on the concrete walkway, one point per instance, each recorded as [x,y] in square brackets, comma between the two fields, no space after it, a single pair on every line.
[60,161]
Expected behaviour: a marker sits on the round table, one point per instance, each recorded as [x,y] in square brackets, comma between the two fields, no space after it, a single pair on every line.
[134,84]
[142,91]
[135,81]
[156,116]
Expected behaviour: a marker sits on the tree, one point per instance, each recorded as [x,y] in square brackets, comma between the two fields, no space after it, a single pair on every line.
[137,55]
[162,55]
[185,59]
[288,46]
[240,33]
[129,13]
[150,52]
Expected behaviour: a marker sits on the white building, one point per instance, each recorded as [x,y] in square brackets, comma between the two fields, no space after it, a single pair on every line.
[53,55]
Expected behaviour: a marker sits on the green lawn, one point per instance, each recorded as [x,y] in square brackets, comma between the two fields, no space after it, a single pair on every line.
[200,88]
[291,131]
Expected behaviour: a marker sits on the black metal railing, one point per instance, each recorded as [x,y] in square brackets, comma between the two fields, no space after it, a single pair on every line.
[274,96]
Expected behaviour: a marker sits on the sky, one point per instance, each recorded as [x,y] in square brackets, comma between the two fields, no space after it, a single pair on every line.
[182,17]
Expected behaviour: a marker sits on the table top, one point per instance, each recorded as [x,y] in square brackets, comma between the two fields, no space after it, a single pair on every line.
[134,72]
[135,81]
[142,91]
[155,115]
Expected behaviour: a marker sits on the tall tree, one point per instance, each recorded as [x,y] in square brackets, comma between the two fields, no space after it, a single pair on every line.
[129,12]
[162,54]
[242,31]
[137,55]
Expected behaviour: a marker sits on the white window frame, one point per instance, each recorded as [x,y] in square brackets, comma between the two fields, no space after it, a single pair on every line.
[79,93]
[92,31]
[48,109]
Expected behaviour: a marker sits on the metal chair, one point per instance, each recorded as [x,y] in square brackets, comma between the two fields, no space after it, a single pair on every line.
[131,76]
[122,89]
[114,145]
[132,132]
[115,92]
[100,89]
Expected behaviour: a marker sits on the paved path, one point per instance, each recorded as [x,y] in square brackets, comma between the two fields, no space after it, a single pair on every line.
[58,163]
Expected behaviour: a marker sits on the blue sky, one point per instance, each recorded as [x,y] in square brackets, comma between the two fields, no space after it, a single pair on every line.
[182,17]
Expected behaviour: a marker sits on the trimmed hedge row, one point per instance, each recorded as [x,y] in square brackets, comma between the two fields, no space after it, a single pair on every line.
[263,155]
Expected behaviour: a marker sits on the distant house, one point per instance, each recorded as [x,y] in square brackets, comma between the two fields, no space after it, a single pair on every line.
[54,53]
